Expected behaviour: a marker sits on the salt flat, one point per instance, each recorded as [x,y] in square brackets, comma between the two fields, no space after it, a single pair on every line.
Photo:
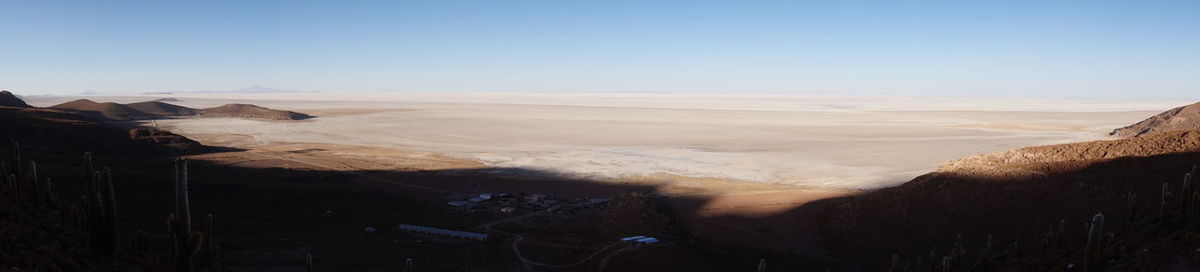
[852,142]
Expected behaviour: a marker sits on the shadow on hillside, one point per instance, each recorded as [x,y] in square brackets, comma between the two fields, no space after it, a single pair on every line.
[926,214]
[269,218]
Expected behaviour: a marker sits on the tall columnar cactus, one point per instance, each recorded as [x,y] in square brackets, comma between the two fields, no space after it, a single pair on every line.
[210,245]
[1185,194]
[15,159]
[77,216]
[51,200]
[1194,217]
[15,176]
[109,206]
[11,185]
[1091,253]
[140,244]
[762,264]
[33,183]
[95,214]
[187,243]
[1165,206]
[985,254]
[932,260]
[89,170]
[1131,203]
[308,262]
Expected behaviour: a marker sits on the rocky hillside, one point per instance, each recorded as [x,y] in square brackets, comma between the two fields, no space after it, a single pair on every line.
[1016,162]
[253,112]
[106,110]
[8,99]
[1181,118]
[1029,209]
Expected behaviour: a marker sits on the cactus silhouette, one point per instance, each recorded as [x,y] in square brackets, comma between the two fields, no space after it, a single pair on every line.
[187,243]
[1091,253]
[308,262]
[1185,194]
[109,206]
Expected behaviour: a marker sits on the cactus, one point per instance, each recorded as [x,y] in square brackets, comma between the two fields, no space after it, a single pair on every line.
[762,265]
[109,209]
[187,243]
[12,187]
[88,171]
[1185,194]
[208,239]
[408,265]
[308,262]
[33,182]
[140,244]
[15,159]
[215,265]
[895,263]
[932,260]
[1091,253]
[77,216]
[1166,198]
[985,254]
[51,200]
[1131,202]
[1194,217]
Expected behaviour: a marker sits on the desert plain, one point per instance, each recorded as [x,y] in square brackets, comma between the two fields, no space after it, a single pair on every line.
[860,142]
[738,170]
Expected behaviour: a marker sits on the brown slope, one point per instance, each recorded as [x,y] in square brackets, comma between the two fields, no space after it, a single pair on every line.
[8,99]
[162,109]
[71,131]
[1181,118]
[252,111]
[106,110]
[1015,195]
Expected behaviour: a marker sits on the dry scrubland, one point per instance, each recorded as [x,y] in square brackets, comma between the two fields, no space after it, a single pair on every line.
[812,141]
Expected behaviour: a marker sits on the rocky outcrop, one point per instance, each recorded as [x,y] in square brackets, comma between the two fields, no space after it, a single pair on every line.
[1181,118]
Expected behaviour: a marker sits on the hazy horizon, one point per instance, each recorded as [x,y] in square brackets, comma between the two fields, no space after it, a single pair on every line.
[1086,49]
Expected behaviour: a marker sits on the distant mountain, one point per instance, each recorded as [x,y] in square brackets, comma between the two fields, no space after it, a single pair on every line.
[8,99]
[252,89]
[252,111]
[106,110]
[262,89]
[1181,118]
[162,109]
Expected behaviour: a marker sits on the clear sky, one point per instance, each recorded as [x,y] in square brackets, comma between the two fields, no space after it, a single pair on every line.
[1148,49]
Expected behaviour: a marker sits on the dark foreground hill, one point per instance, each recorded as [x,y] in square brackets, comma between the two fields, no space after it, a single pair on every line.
[71,131]
[106,110]
[159,108]
[253,112]
[8,99]
[1181,118]
[1028,209]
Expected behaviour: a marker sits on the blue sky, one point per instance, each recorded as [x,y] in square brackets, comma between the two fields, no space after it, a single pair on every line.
[1100,49]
